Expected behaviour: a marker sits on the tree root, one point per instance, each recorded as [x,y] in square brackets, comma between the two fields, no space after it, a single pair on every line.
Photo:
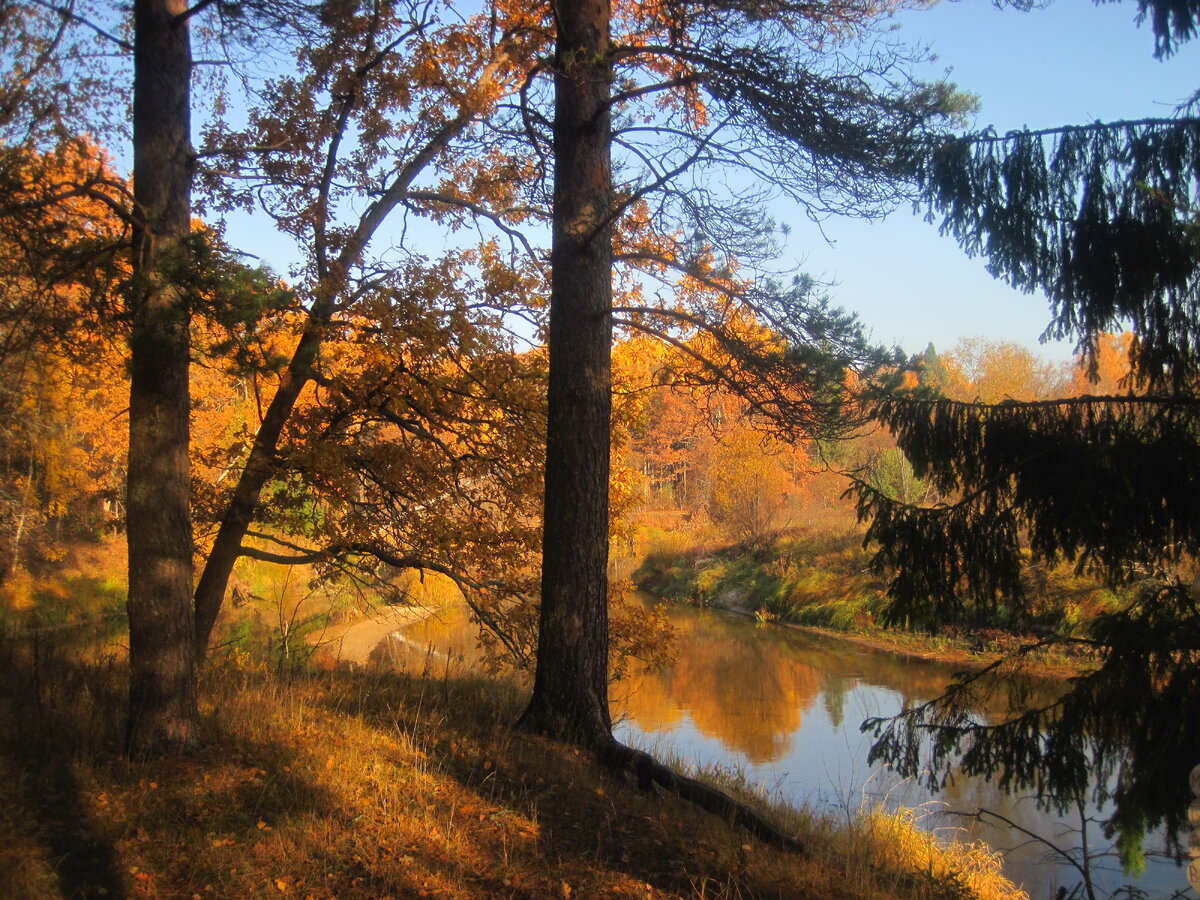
[648,771]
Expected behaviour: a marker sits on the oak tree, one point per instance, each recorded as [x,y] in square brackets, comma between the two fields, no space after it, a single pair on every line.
[397,357]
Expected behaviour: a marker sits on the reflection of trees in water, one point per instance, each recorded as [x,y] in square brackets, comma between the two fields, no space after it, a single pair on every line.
[749,686]
[834,690]
[748,693]
[845,665]
[647,699]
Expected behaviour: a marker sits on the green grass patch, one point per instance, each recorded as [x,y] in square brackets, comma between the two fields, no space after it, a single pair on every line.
[807,579]
[826,580]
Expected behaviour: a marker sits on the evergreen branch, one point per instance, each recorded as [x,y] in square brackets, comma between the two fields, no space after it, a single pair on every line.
[1077,212]
[658,87]
[1129,401]
[988,136]
[663,179]
[722,288]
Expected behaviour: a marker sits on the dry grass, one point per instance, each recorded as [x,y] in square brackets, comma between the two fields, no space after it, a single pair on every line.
[369,785]
[946,859]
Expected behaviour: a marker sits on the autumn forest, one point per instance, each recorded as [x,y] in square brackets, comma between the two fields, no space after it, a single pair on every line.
[533,344]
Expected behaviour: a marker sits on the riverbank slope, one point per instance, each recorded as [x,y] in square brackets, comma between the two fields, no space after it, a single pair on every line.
[824,583]
[360,784]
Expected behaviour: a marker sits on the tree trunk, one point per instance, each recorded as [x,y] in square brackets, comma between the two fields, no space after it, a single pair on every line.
[260,466]
[210,591]
[162,687]
[570,695]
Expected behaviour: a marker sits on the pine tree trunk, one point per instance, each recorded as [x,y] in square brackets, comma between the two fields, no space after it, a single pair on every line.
[570,695]
[162,688]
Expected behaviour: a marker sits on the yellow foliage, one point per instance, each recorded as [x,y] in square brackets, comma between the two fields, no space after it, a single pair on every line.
[16,592]
[995,371]
[750,483]
[423,588]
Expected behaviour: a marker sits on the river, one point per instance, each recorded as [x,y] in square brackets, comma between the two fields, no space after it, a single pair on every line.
[782,707]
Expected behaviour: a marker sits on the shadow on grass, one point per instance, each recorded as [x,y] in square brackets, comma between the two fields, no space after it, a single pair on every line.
[52,716]
[590,824]
[79,820]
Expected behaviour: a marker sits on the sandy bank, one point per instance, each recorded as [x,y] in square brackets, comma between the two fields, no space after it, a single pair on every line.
[353,640]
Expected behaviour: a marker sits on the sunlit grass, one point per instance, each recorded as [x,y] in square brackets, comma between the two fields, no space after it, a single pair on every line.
[866,851]
[368,785]
[945,859]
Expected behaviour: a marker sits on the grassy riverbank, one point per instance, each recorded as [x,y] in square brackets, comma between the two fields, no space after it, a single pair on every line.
[356,784]
[824,581]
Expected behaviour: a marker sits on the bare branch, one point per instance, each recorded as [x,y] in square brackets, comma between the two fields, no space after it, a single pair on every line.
[70,15]
[496,218]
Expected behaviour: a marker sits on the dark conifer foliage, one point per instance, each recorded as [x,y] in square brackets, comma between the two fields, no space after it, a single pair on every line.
[1171,21]
[1100,216]
[1110,483]
[1123,733]
[1103,218]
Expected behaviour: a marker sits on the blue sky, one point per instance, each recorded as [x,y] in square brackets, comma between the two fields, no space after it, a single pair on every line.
[1069,63]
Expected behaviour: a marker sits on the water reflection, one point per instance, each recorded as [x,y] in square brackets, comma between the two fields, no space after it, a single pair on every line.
[748,694]
[783,707]
[445,637]
[412,639]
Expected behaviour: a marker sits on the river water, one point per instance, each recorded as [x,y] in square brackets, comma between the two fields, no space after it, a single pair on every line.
[782,707]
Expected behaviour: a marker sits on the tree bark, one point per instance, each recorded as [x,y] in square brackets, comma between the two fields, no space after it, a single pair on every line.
[570,695]
[162,687]
[260,466]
